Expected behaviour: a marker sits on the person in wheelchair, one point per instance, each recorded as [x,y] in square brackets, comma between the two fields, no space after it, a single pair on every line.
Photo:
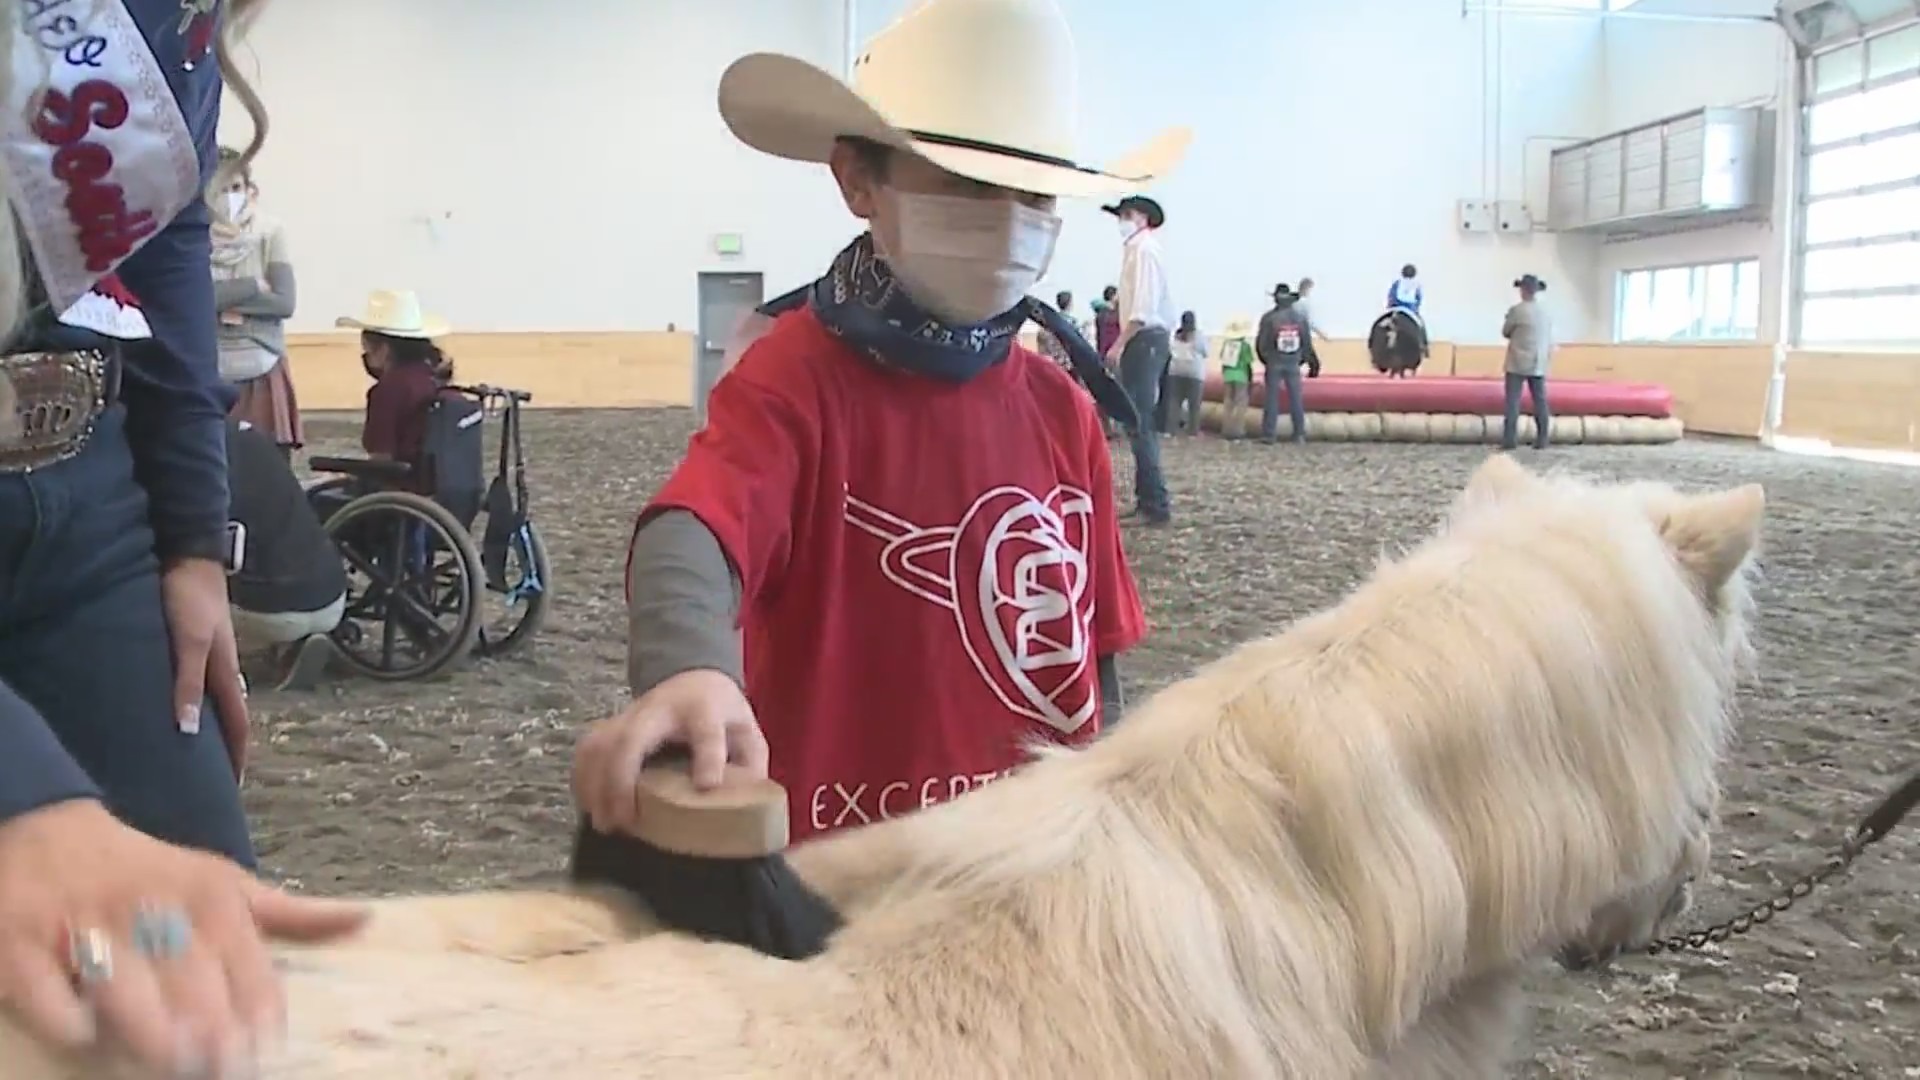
[290,590]
[409,374]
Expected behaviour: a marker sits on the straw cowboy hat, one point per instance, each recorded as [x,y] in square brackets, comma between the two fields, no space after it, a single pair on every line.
[1238,326]
[986,89]
[395,313]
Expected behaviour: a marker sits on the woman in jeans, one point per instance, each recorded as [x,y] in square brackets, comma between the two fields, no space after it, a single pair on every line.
[1186,377]
[122,714]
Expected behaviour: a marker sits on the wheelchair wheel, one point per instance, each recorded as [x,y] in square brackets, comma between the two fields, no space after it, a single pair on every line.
[413,586]
[516,605]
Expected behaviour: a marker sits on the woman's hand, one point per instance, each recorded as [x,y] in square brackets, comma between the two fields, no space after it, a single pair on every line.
[206,660]
[107,934]
[702,710]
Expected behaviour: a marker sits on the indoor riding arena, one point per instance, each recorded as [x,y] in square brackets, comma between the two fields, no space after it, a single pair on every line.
[1722,199]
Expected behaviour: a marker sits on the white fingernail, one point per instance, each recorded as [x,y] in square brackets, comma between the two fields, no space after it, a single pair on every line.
[189,719]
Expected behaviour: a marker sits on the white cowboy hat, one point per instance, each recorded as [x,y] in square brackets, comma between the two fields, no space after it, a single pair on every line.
[1238,326]
[396,313]
[986,89]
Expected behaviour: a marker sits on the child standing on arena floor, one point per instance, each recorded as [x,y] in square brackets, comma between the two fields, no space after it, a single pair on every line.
[906,515]
[1236,372]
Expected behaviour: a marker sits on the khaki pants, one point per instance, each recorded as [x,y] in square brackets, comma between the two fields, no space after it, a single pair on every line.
[259,631]
[1233,415]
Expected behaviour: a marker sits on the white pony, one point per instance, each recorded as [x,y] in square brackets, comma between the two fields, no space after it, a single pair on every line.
[1325,856]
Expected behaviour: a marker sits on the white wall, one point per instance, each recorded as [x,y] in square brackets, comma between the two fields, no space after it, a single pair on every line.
[526,170]
[1331,140]
[1655,69]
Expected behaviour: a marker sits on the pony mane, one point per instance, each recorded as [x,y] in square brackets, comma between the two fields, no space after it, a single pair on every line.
[1501,729]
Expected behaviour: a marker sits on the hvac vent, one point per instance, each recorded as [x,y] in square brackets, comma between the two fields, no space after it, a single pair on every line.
[1707,164]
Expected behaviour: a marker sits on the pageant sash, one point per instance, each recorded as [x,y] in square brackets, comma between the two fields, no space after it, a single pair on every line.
[96,146]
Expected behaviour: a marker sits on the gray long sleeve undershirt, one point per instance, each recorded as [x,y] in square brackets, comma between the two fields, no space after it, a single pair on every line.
[244,295]
[685,610]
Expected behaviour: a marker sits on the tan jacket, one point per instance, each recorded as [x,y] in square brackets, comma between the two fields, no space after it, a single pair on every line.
[1529,334]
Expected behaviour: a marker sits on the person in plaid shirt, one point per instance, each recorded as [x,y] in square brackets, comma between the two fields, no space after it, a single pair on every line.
[1050,345]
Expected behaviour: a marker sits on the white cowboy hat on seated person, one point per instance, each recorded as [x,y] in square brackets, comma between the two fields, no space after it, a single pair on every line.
[396,313]
[984,89]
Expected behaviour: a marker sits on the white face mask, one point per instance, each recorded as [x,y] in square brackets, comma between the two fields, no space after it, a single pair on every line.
[1128,226]
[236,203]
[968,260]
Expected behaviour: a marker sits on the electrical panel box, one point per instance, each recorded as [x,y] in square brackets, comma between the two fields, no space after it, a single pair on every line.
[1515,217]
[1476,216]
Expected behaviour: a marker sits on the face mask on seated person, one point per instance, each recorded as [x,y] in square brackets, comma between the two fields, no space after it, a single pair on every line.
[968,260]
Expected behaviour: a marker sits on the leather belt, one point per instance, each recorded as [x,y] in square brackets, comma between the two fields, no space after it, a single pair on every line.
[49,404]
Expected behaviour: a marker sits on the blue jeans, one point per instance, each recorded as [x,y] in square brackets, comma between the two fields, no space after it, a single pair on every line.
[83,638]
[1142,364]
[1536,387]
[1288,375]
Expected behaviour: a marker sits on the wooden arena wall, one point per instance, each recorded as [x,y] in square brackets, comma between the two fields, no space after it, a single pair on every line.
[1868,400]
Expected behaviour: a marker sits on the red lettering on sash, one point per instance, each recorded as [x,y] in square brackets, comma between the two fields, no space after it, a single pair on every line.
[109,230]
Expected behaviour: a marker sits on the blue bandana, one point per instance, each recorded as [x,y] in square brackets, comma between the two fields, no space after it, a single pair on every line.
[859,301]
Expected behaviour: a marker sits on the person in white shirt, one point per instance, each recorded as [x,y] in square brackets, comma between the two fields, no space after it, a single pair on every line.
[1187,377]
[1302,304]
[1407,294]
[1145,346]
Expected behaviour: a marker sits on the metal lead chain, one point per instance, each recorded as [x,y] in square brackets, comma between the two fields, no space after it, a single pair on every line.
[1762,913]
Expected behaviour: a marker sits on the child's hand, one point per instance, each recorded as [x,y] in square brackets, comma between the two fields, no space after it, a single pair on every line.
[701,710]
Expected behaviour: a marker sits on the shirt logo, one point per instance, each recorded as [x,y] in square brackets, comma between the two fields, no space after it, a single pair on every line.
[1013,572]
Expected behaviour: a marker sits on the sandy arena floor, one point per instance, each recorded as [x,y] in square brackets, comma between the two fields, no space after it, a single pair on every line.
[367,788]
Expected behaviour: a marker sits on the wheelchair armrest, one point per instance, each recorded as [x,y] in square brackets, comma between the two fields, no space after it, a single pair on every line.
[364,468]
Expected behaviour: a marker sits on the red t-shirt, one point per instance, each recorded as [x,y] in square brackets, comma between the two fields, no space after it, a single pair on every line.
[930,570]
[396,422]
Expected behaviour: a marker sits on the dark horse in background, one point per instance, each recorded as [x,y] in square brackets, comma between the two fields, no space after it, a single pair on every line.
[1397,343]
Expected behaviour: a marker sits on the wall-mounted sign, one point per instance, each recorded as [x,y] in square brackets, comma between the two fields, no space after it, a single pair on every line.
[729,243]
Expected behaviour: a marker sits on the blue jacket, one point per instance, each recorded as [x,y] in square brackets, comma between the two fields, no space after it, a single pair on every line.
[175,401]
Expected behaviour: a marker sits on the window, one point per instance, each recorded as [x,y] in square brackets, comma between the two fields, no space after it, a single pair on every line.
[1867,164]
[1859,321]
[1712,302]
[1858,254]
[1855,267]
[1865,112]
[1856,217]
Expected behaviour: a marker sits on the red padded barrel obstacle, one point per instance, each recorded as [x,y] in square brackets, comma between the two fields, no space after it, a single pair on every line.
[1464,395]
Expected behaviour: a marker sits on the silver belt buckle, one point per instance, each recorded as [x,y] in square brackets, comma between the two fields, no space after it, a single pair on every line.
[49,403]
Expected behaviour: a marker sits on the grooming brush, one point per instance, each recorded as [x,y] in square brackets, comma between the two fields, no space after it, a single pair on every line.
[710,863]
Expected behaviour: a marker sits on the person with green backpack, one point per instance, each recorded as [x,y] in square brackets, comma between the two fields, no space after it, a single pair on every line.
[1236,371]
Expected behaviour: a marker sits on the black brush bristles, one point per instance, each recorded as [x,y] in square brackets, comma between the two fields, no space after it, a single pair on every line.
[760,903]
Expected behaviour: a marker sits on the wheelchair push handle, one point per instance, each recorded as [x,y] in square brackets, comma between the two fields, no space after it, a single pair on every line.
[482,390]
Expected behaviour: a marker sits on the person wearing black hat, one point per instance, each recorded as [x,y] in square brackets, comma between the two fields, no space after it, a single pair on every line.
[1281,345]
[1529,334]
[1145,348]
